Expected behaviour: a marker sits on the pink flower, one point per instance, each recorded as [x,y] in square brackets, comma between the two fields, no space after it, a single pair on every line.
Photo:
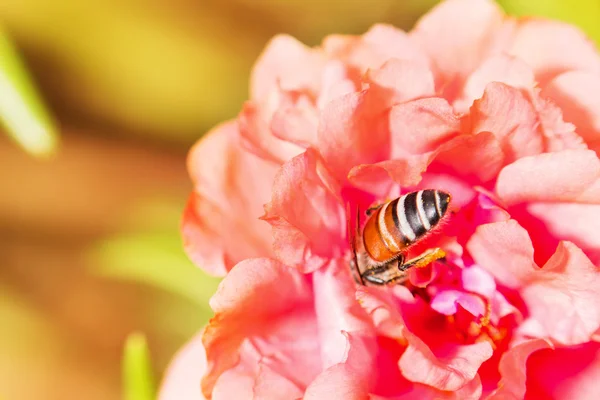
[504,114]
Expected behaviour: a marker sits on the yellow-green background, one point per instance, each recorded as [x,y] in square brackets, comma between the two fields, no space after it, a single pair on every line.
[91,200]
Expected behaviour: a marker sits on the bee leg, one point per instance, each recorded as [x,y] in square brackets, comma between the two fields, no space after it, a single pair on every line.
[388,273]
[373,208]
[358,279]
[424,259]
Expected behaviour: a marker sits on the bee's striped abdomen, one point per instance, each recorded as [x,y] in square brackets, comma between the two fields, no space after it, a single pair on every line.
[401,222]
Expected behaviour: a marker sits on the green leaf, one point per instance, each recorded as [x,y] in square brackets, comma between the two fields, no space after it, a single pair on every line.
[138,381]
[155,259]
[583,13]
[151,253]
[22,111]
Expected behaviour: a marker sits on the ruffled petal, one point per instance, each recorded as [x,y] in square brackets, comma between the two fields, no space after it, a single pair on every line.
[483,163]
[421,126]
[221,223]
[257,137]
[501,68]
[270,385]
[296,120]
[513,369]
[306,213]
[447,301]
[353,130]
[399,81]
[417,391]
[337,310]
[379,177]
[509,115]
[371,50]
[566,176]
[546,224]
[182,379]
[448,367]
[477,280]
[287,64]
[544,191]
[577,94]
[552,47]
[505,250]
[564,296]
[383,309]
[457,36]
[564,373]
[560,296]
[254,378]
[268,306]
[351,378]
[470,391]
[445,168]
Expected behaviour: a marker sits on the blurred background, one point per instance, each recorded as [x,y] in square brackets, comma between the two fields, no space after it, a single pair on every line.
[100,102]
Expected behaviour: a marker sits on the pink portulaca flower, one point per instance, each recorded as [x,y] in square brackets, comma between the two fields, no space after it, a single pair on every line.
[504,114]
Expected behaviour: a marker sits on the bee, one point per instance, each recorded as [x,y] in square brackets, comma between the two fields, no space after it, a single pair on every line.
[379,253]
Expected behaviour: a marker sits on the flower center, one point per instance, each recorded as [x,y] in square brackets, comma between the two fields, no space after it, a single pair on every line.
[469,328]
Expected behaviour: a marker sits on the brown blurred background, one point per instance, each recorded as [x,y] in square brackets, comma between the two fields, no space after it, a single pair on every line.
[89,241]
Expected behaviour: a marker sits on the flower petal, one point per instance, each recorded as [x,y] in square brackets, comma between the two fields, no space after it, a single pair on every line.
[353,130]
[505,250]
[564,295]
[501,307]
[566,176]
[577,93]
[546,224]
[182,379]
[477,280]
[383,310]
[417,391]
[501,68]
[338,81]
[237,382]
[470,391]
[350,379]
[513,370]
[421,125]
[270,305]
[257,137]
[254,378]
[371,50]
[446,166]
[296,120]
[448,367]
[552,47]
[509,115]
[557,134]
[337,310]
[564,373]
[306,213]
[451,368]
[457,35]
[421,277]
[220,224]
[287,64]
[446,302]
[379,177]
[484,161]
[272,386]
[559,296]
[399,81]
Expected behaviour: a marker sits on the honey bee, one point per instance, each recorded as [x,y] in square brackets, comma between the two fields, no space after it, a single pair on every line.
[391,229]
